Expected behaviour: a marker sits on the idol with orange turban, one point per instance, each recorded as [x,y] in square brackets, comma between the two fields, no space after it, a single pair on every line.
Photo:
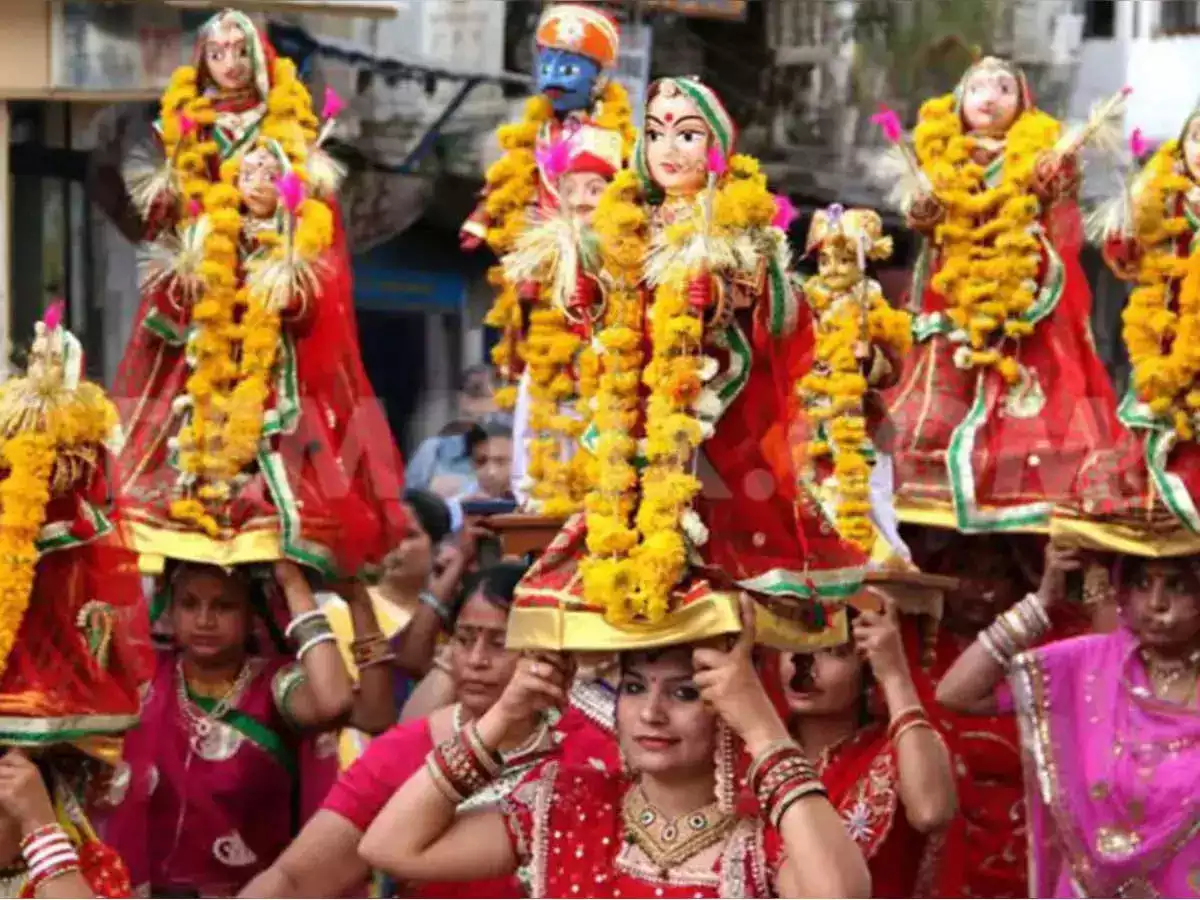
[577,49]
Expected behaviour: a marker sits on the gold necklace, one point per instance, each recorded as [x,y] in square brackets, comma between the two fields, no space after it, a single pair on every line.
[1165,675]
[669,842]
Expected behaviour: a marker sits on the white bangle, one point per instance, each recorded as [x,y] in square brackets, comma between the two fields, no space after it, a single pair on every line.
[45,843]
[300,620]
[323,637]
[46,863]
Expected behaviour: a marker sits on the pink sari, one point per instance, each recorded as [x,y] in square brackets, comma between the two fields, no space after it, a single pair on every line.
[1111,774]
[201,818]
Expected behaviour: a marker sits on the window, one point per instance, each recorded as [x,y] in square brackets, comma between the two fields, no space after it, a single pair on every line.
[1178,17]
[1100,19]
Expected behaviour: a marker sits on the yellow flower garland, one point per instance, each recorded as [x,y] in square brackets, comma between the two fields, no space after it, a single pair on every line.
[83,419]
[1162,319]
[550,348]
[511,188]
[836,398]
[621,223]
[989,250]
[232,346]
[631,571]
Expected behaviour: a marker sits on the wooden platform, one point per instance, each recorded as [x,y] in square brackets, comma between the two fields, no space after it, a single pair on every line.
[522,534]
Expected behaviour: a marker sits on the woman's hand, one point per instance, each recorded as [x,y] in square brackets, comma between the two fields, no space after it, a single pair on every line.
[729,683]
[1060,561]
[539,684]
[877,639]
[23,793]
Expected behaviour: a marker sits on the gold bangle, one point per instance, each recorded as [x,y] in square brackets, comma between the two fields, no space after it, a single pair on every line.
[909,726]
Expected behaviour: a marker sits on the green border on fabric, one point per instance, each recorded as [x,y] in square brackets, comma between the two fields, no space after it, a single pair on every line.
[1157,452]
[252,730]
[307,552]
[57,536]
[283,418]
[40,731]
[161,326]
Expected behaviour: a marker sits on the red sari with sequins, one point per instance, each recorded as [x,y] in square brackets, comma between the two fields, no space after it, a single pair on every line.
[567,830]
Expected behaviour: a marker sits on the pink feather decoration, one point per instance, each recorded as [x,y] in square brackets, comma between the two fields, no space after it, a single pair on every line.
[889,124]
[291,191]
[785,212]
[1138,145]
[716,161]
[53,318]
[334,104]
[195,207]
[186,125]
[554,158]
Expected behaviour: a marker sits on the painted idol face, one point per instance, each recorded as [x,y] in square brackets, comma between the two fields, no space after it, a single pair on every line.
[1191,148]
[568,79]
[991,101]
[227,57]
[259,172]
[677,139]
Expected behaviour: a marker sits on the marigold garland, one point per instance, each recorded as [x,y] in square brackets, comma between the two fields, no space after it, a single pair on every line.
[1162,319]
[988,243]
[232,345]
[511,188]
[834,395]
[637,550]
[550,349]
[32,440]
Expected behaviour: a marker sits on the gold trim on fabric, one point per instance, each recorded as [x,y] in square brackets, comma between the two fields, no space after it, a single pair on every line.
[1126,538]
[155,543]
[940,514]
[716,614]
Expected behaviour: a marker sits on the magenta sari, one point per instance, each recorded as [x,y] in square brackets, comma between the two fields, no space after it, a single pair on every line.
[1110,774]
[203,817]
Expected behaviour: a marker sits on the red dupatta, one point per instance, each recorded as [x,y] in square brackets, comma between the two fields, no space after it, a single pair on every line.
[862,777]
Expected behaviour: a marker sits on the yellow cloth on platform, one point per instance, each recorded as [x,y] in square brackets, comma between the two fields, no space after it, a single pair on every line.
[392,618]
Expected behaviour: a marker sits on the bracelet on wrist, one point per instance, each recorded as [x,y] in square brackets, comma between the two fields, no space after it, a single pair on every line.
[903,719]
[312,642]
[48,854]
[299,621]
[894,736]
[462,765]
[443,611]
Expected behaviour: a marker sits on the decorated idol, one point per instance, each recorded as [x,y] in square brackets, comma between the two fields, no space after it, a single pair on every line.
[860,343]
[215,110]
[1003,404]
[689,434]
[1152,243]
[577,48]
[555,260]
[253,431]
[74,650]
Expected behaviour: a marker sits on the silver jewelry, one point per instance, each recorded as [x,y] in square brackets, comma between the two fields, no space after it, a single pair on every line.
[206,732]
[322,638]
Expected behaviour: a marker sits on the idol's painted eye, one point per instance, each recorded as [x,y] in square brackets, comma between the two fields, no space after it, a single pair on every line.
[570,70]
[547,68]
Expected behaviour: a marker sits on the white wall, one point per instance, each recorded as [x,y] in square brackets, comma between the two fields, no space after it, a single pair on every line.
[1165,76]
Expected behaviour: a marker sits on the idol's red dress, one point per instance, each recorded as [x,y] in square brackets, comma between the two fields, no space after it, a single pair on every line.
[325,487]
